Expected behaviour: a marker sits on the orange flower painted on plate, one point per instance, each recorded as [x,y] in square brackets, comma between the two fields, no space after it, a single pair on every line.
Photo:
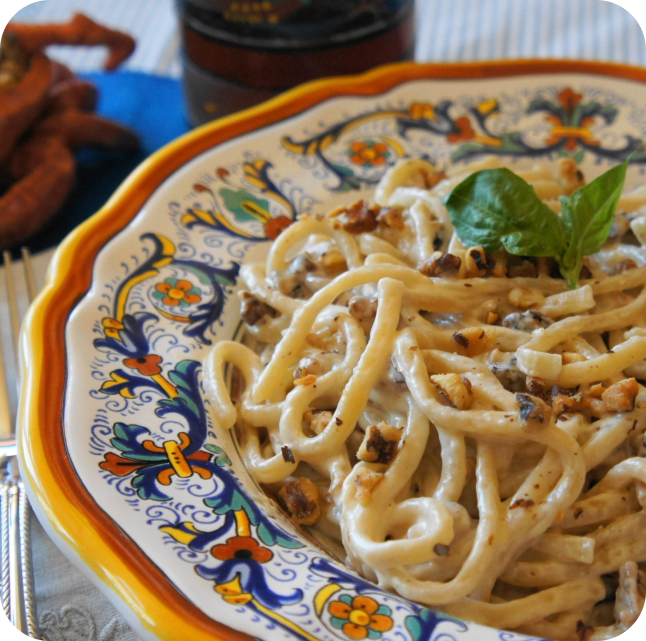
[275,226]
[464,130]
[368,153]
[145,365]
[569,100]
[360,617]
[177,293]
[242,547]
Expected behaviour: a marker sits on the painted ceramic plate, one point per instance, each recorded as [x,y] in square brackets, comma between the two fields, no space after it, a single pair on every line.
[124,465]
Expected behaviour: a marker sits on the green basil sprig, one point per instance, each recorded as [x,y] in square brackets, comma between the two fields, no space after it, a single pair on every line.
[496,207]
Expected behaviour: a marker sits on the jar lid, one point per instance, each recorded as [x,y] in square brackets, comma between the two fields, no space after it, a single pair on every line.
[292,24]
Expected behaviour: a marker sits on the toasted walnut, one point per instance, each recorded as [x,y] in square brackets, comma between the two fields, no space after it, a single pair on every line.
[454,389]
[472,341]
[566,401]
[525,298]
[622,266]
[359,218]
[308,365]
[318,419]
[596,390]
[364,310]
[333,262]
[302,500]
[570,176]
[532,411]
[253,310]
[440,264]
[379,444]
[536,387]
[475,263]
[497,264]
[391,218]
[366,481]
[305,379]
[621,396]
[315,341]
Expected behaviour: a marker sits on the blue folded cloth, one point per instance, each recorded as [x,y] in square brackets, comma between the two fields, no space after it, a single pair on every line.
[152,106]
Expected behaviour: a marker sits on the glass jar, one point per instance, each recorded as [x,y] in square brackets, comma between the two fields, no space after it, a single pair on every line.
[239,53]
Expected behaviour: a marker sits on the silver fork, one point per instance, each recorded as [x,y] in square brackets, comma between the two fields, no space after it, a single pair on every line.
[16,577]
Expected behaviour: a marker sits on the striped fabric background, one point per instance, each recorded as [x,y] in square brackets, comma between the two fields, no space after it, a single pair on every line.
[448,30]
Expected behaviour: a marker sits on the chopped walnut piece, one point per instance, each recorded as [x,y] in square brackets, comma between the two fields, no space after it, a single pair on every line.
[302,500]
[492,317]
[497,263]
[622,266]
[475,262]
[565,401]
[455,389]
[532,411]
[253,310]
[315,341]
[440,264]
[306,379]
[472,341]
[364,310]
[536,387]
[525,298]
[621,396]
[308,365]
[333,262]
[596,390]
[318,419]
[366,481]
[379,444]
[359,218]
[390,217]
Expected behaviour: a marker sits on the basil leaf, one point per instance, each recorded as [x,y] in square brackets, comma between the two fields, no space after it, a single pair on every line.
[496,207]
[588,215]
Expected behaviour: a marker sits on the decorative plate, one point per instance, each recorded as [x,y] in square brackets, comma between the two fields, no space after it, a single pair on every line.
[123,463]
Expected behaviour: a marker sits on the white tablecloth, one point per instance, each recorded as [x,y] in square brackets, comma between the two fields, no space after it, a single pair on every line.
[70,608]
[448,30]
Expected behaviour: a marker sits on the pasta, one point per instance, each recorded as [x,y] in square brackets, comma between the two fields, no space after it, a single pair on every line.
[460,426]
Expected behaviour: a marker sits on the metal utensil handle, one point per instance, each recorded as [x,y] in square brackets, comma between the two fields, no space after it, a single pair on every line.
[16,592]
[4,547]
[26,563]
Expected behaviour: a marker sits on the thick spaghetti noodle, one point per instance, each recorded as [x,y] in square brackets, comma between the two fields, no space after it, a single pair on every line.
[468,428]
